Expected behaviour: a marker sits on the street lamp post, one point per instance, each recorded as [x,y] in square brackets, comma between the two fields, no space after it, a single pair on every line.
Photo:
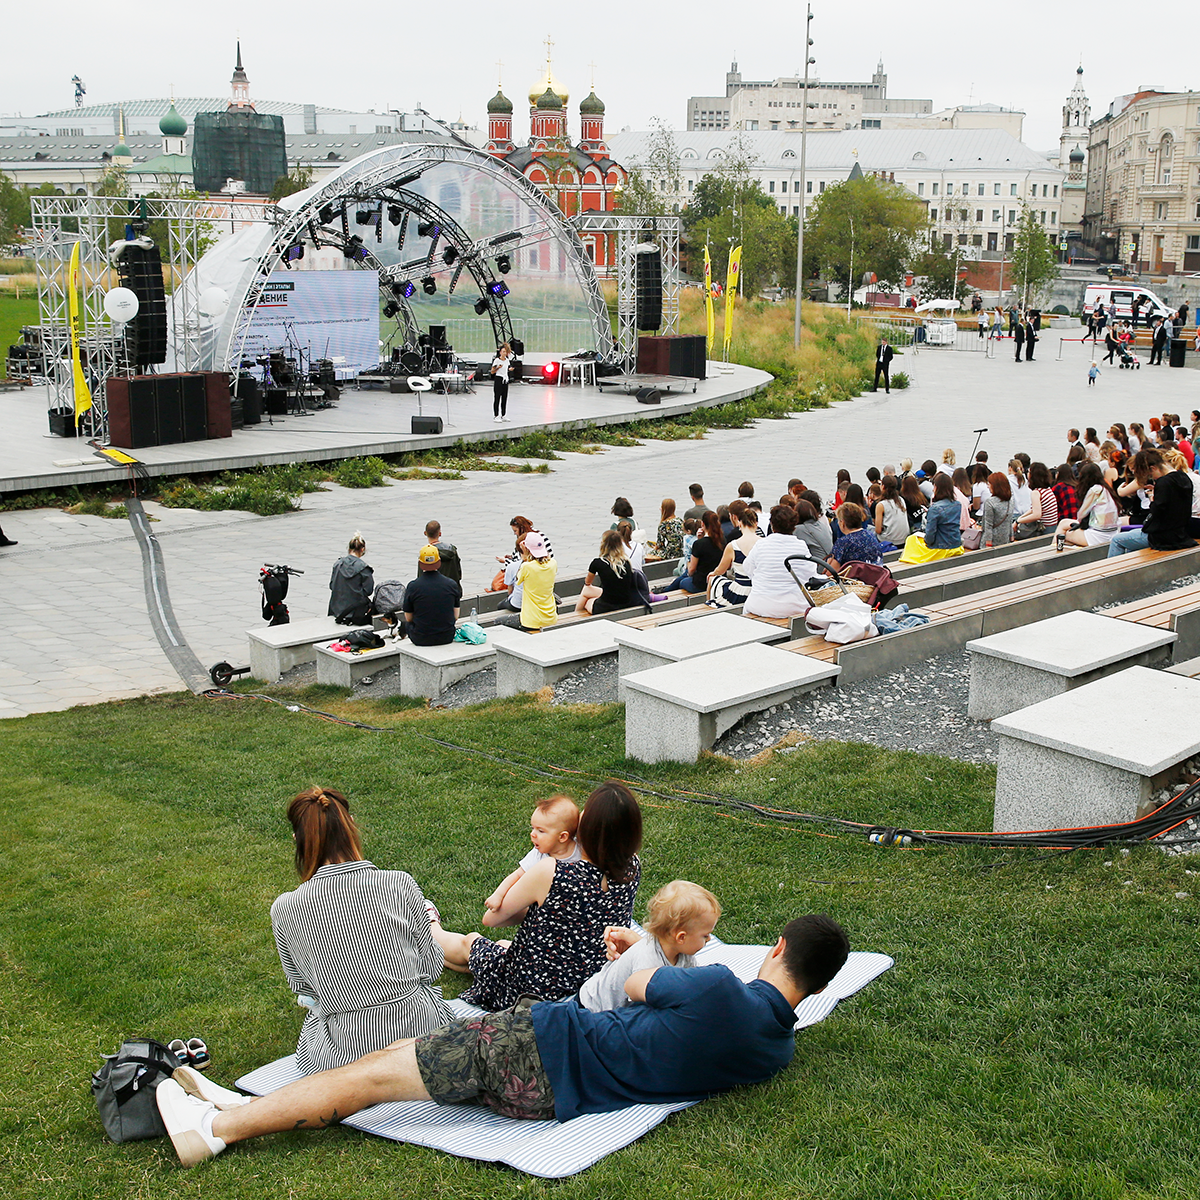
[803,151]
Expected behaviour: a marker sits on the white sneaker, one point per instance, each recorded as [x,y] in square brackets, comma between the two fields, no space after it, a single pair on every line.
[204,1088]
[189,1123]
[497,420]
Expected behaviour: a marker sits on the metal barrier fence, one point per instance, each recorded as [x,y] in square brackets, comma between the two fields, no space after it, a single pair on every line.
[902,331]
[541,335]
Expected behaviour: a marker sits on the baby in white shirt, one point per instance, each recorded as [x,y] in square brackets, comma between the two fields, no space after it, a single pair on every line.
[552,832]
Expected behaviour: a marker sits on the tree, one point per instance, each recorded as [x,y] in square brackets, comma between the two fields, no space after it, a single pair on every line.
[652,187]
[288,185]
[14,210]
[940,269]
[1033,263]
[870,221]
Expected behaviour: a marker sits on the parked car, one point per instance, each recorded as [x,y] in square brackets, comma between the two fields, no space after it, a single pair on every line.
[1118,301]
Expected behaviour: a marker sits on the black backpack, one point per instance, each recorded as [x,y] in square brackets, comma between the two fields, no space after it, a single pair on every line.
[124,1089]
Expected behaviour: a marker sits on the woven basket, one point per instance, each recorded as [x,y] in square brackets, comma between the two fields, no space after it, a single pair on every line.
[832,592]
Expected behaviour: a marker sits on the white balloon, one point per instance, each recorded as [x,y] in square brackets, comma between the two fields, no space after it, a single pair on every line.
[213,302]
[121,305]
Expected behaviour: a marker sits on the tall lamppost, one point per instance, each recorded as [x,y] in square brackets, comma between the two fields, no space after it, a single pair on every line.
[803,150]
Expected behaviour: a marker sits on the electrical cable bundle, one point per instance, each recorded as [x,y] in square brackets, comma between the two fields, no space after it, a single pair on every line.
[1181,808]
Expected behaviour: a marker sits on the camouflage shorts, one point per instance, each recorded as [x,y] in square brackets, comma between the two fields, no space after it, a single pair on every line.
[491,1060]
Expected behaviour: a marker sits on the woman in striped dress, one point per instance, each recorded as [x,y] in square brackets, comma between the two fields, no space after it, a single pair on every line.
[354,941]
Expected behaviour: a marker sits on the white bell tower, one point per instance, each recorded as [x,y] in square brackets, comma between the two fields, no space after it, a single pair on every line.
[1077,116]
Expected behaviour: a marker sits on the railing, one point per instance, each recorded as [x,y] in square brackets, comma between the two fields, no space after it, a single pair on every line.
[541,335]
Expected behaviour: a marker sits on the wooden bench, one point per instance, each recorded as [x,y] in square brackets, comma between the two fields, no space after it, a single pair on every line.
[275,649]
[675,712]
[956,622]
[1086,758]
[1177,610]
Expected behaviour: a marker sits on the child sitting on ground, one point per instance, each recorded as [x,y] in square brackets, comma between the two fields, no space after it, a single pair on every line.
[679,921]
[552,831]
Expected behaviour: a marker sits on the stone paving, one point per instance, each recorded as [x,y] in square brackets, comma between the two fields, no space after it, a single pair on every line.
[72,590]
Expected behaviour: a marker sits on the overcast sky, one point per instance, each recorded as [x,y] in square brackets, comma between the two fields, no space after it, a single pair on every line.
[648,58]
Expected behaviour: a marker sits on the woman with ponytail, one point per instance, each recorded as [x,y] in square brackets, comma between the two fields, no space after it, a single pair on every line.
[354,941]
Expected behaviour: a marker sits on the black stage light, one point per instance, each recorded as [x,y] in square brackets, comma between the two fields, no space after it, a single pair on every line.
[364,216]
[429,285]
[449,255]
[505,237]
[406,179]
[481,305]
[395,213]
[504,264]
[354,249]
[498,288]
[326,214]
[391,308]
[293,253]
[428,229]
[407,288]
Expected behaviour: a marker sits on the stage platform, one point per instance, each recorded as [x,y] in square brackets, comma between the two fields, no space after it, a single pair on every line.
[364,422]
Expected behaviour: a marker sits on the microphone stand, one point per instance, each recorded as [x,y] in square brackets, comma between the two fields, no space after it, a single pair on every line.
[978,434]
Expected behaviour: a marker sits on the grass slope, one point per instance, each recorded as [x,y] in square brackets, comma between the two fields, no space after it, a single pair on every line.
[14,313]
[1035,1039]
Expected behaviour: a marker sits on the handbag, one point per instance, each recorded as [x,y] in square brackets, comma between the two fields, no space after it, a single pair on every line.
[877,577]
[972,538]
[471,632]
[124,1089]
[1032,529]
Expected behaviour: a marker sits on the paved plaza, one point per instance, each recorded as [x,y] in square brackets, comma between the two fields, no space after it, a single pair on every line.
[72,591]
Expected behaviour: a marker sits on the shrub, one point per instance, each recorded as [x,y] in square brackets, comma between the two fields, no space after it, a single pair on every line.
[901,380]
[361,472]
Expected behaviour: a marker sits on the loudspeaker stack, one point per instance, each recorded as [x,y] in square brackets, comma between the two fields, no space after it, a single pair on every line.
[647,273]
[140,269]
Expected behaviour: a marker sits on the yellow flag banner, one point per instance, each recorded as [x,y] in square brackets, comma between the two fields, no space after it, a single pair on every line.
[731,283]
[710,317]
[83,397]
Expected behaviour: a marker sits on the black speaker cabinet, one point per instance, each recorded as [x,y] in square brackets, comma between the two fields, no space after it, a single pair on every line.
[193,408]
[62,422]
[674,355]
[648,284]
[246,390]
[398,384]
[132,412]
[276,402]
[168,400]
[139,268]
[218,405]
[427,424]
[648,395]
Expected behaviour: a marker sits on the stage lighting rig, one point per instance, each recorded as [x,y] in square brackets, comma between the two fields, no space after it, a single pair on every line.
[429,285]
[498,288]
[504,264]
[408,289]
[326,214]
[395,214]
[364,216]
[404,180]
[354,249]
[481,305]
[391,308]
[294,252]
[505,237]
[449,255]
[429,229]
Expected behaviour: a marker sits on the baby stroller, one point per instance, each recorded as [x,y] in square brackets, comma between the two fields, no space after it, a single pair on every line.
[1128,359]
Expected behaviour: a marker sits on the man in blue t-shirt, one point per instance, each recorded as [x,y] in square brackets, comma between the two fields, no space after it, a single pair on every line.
[689,1034]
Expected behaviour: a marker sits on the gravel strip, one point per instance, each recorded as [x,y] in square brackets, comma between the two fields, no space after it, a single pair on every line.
[594,684]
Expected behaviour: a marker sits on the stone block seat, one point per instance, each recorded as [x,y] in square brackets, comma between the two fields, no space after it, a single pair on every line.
[1095,755]
[343,669]
[642,649]
[275,649]
[1021,666]
[429,670]
[538,660]
[677,711]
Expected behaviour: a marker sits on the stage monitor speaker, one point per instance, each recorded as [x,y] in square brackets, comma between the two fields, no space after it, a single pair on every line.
[276,402]
[648,286]
[648,395]
[516,346]
[218,407]
[246,390]
[437,336]
[398,384]
[62,422]
[427,424]
[140,270]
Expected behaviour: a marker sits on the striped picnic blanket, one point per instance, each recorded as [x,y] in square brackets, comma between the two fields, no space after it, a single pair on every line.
[552,1149]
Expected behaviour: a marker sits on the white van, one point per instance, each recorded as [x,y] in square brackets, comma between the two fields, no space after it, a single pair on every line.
[1117,299]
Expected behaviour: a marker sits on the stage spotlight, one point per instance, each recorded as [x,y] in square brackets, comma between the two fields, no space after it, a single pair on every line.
[364,216]
[498,288]
[505,237]
[504,264]
[429,285]
[481,305]
[354,249]
[391,308]
[449,255]
[406,179]
[407,288]
[428,229]
[395,214]
[293,253]
[550,372]
[326,214]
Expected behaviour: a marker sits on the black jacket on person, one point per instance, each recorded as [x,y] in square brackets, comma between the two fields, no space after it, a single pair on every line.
[883,354]
[1170,511]
[350,589]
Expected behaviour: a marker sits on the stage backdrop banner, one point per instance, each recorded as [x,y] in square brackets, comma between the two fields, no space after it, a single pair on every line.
[323,313]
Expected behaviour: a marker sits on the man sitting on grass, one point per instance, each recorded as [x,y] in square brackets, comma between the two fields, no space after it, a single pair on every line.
[688,1035]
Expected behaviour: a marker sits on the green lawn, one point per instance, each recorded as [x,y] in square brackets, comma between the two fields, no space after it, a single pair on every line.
[13,314]
[1036,1038]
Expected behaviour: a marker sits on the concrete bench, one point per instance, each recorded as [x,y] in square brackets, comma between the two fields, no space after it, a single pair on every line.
[675,712]
[539,660]
[1022,666]
[643,649]
[344,669]
[1177,610]
[429,670]
[1095,755]
[275,649]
